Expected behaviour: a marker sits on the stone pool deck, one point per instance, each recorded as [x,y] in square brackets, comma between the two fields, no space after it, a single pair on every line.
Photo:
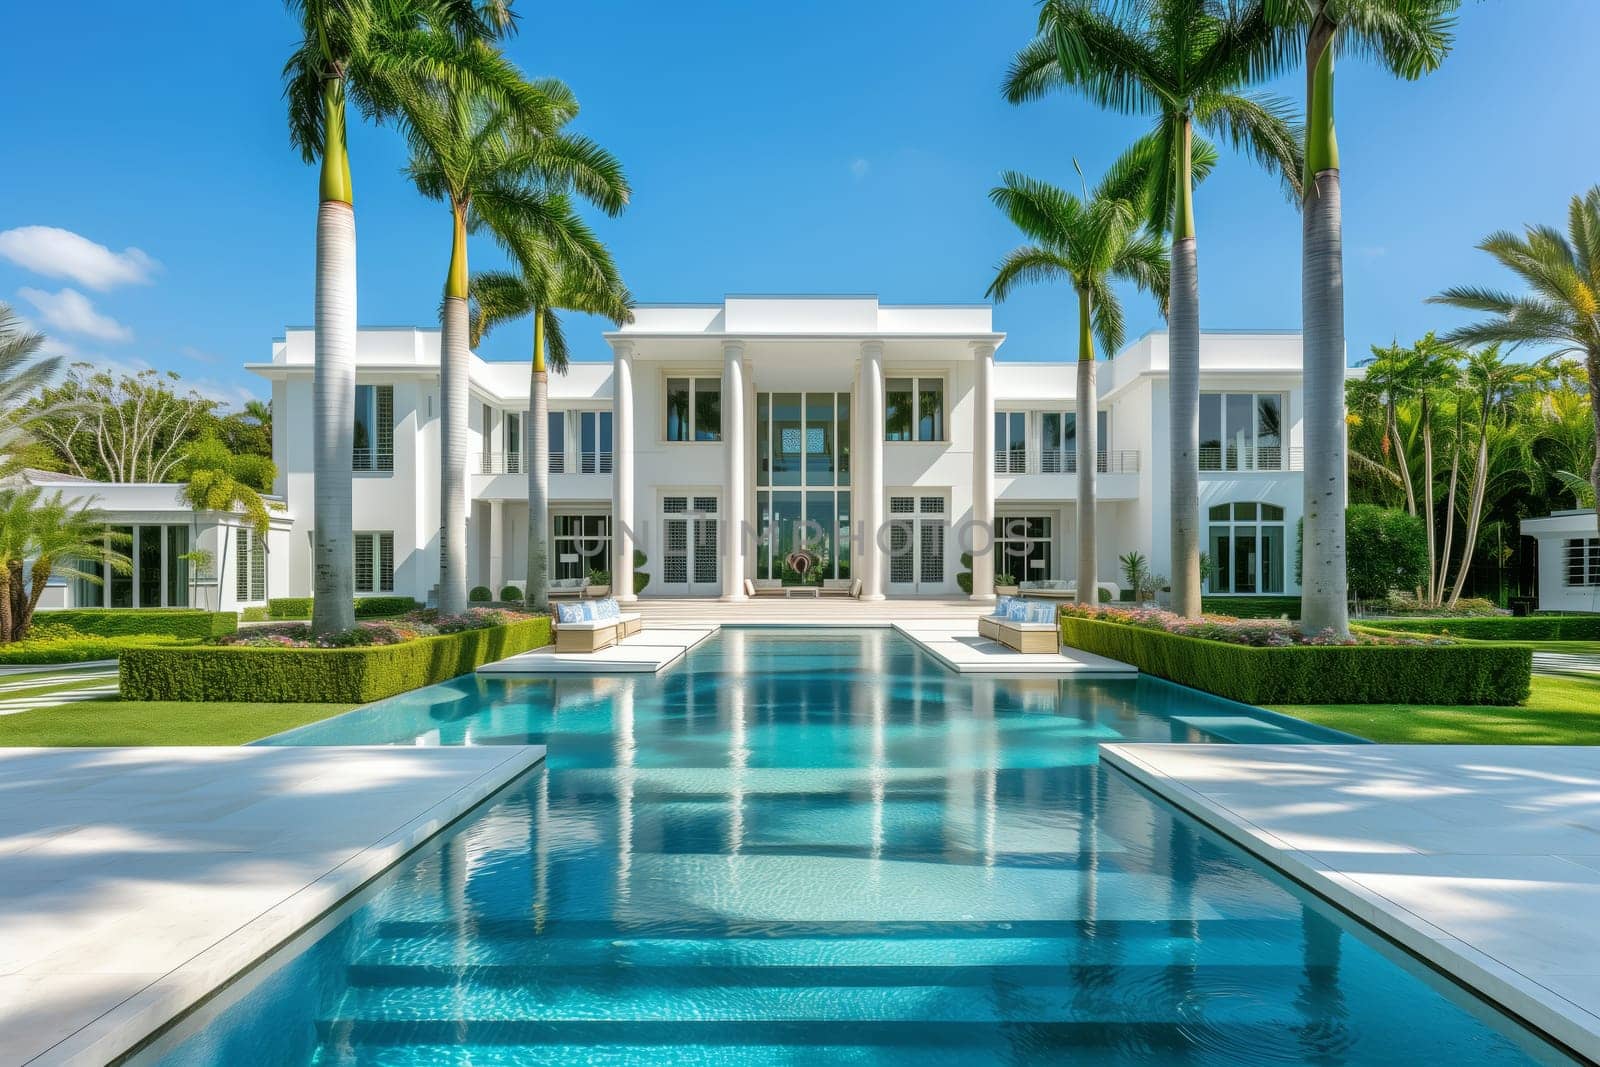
[1482,860]
[135,881]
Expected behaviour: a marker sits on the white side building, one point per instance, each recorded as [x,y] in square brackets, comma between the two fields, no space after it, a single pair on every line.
[810,421]
[1569,560]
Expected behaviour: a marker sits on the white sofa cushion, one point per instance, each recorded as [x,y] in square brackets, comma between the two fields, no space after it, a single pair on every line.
[593,624]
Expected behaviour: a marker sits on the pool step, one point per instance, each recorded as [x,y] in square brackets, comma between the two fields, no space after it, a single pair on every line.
[817,952]
[514,997]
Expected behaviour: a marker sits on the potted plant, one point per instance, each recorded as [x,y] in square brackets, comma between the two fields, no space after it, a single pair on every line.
[599,583]
[1005,584]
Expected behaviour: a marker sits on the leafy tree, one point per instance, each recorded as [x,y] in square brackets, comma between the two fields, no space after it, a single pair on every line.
[22,374]
[1188,64]
[48,536]
[121,428]
[1086,245]
[217,480]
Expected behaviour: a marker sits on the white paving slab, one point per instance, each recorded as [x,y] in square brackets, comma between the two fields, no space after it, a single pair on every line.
[655,648]
[1483,860]
[957,645]
[135,881]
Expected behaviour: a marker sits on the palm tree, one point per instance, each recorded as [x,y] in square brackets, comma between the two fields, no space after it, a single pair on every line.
[372,52]
[1410,38]
[1563,272]
[504,168]
[1087,244]
[541,287]
[1186,62]
[22,374]
[43,537]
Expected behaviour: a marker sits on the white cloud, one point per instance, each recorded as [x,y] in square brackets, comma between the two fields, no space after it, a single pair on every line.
[73,312]
[58,253]
[224,393]
[198,355]
[859,168]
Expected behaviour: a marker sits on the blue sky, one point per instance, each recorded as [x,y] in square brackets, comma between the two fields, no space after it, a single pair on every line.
[820,147]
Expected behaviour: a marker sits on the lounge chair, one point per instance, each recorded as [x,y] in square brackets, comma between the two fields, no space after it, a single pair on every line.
[1023,625]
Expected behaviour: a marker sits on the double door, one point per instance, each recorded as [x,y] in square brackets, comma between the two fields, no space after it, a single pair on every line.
[917,527]
[691,560]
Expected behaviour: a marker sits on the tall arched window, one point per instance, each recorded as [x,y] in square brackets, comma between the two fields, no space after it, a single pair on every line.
[1246,548]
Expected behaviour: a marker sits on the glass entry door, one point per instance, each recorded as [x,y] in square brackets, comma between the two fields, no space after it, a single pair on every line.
[691,563]
[916,544]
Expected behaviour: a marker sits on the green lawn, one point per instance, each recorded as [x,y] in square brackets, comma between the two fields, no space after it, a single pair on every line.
[1560,711]
[1581,648]
[152,722]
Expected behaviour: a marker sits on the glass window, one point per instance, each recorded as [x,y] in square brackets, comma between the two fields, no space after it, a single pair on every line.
[787,439]
[1210,431]
[1011,442]
[819,439]
[1583,561]
[250,565]
[1241,431]
[121,591]
[1237,450]
[557,429]
[1050,443]
[1269,432]
[149,557]
[1246,545]
[707,409]
[177,568]
[582,543]
[87,593]
[1024,548]
[930,409]
[843,407]
[678,392]
[513,436]
[594,436]
[819,536]
[763,439]
[897,410]
[374,429]
[374,562]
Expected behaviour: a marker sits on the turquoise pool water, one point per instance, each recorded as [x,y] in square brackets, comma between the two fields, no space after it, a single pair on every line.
[802,847]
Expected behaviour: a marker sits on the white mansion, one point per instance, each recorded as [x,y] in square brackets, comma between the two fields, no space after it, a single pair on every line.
[809,419]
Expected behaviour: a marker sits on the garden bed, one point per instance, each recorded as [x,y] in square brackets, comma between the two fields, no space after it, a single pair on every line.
[1265,663]
[274,670]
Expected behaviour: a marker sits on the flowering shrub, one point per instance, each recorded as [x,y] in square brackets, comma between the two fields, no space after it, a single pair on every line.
[1258,633]
[397,631]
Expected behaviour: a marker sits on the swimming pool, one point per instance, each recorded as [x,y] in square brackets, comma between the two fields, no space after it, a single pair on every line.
[824,847]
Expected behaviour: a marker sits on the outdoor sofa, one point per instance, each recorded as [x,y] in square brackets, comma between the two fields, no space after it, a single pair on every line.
[590,625]
[1023,625]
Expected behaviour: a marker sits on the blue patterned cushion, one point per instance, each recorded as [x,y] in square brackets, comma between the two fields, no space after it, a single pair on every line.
[1017,610]
[1001,606]
[1041,612]
[606,608]
[569,612]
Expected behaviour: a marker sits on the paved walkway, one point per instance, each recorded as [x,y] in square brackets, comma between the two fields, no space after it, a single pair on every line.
[654,649]
[133,882]
[958,646]
[1571,664]
[29,688]
[1484,860]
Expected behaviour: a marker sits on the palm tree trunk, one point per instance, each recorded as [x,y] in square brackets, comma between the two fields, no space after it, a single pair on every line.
[538,589]
[1401,461]
[1593,361]
[333,384]
[1088,457]
[1183,385]
[453,429]
[1427,489]
[1325,586]
[5,604]
[1480,485]
[1450,511]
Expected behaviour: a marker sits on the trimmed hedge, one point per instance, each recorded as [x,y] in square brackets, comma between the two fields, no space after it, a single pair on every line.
[1315,674]
[1252,607]
[319,675]
[77,650]
[1500,627]
[290,608]
[185,624]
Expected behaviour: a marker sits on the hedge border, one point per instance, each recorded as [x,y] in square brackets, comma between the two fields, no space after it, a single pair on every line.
[319,675]
[185,624]
[298,608]
[1251,607]
[1498,627]
[1315,674]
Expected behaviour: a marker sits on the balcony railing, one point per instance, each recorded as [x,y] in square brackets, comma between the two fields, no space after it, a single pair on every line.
[500,463]
[1251,458]
[372,459]
[1056,461]
[594,463]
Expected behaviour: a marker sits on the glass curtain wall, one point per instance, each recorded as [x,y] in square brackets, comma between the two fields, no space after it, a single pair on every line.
[802,485]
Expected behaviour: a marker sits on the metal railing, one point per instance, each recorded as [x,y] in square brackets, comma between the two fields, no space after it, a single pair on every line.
[499,463]
[1108,461]
[1251,458]
[594,463]
[372,459]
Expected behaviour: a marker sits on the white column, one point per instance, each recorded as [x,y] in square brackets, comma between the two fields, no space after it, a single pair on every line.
[870,555]
[733,469]
[622,520]
[983,471]
[497,547]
